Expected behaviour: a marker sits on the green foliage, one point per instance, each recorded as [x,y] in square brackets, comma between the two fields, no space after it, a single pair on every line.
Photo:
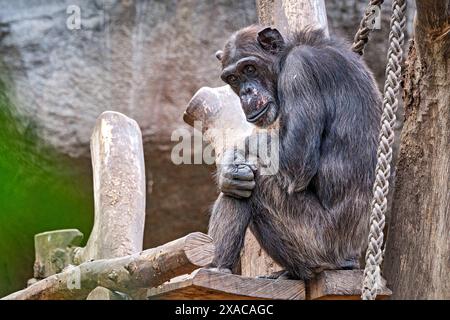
[40,190]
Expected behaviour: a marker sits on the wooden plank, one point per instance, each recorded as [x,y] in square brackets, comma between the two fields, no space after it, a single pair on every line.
[213,285]
[339,285]
[125,274]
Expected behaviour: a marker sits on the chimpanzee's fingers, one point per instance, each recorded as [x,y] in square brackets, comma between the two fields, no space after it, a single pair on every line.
[252,166]
[239,157]
[230,184]
[241,172]
[228,157]
[230,194]
[238,194]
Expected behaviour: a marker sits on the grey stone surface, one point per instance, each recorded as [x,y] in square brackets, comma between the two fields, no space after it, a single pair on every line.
[142,58]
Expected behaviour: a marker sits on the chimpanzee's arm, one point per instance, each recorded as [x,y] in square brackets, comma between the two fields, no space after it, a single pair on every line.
[302,116]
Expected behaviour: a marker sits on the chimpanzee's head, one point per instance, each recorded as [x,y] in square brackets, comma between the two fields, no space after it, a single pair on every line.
[248,66]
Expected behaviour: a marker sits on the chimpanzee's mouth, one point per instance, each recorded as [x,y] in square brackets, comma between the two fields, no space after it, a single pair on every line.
[254,117]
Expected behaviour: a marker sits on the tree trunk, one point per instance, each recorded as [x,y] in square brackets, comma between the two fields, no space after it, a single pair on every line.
[290,16]
[418,247]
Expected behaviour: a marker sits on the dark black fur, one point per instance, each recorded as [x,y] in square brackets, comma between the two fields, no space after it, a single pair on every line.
[314,213]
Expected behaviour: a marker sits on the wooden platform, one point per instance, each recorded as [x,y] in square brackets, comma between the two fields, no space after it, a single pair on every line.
[340,285]
[205,284]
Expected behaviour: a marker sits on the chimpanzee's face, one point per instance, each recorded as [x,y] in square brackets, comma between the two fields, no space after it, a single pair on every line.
[247,79]
[248,68]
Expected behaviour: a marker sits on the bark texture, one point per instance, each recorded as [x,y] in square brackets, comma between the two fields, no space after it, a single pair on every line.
[418,247]
[291,16]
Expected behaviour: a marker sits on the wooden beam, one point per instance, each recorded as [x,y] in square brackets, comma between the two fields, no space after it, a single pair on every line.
[219,112]
[54,251]
[208,284]
[119,189]
[125,274]
[340,285]
[101,293]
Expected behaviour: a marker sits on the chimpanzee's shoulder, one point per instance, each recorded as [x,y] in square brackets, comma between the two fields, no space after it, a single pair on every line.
[316,38]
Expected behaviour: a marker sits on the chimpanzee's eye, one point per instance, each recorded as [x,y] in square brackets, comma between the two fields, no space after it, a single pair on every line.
[232,79]
[249,70]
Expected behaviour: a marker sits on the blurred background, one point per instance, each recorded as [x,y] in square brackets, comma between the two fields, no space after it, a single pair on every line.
[144,58]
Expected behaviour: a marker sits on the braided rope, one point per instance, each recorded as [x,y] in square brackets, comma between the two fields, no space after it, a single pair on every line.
[374,254]
[362,35]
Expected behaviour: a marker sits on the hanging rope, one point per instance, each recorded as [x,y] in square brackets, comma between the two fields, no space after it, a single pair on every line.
[374,254]
[362,35]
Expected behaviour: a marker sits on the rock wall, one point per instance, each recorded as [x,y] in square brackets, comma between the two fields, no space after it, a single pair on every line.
[143,58]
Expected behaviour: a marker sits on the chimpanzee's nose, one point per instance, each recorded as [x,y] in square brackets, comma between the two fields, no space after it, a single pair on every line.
[245,91]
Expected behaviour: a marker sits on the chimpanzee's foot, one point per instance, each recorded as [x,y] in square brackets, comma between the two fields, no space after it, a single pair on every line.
[222,270]
[279,275]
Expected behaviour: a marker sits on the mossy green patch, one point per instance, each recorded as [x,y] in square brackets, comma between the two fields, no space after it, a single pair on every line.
[40,190]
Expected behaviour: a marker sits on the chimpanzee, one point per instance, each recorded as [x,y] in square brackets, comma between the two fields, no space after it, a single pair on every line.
[313,214]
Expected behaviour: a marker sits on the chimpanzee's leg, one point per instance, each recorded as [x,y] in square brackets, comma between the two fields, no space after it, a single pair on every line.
[304,238]
[227,225]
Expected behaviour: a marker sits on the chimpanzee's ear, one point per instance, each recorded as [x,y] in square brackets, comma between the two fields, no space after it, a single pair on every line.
[219,55]
[270,39]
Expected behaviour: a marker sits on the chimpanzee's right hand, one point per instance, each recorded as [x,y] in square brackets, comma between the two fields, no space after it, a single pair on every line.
[235,176]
